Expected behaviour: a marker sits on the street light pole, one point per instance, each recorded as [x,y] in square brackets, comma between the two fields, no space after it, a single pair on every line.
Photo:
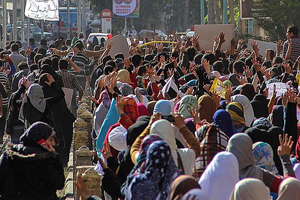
[15,21]
[202,11]
[68,24]
[23,21]
[4,30]
[225,19]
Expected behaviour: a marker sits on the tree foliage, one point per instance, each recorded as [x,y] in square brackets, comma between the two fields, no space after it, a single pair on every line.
[277,16]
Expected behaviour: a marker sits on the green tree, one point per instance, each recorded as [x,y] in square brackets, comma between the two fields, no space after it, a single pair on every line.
[277,16]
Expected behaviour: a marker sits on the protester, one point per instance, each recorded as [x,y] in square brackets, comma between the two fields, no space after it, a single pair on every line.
[32,169]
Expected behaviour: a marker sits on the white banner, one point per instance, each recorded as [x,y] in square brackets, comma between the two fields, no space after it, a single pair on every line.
[42,10]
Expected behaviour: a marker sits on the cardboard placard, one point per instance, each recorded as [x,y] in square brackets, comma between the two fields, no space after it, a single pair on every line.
[263,46]
[208,32]
[120,45]
[68,96]
[281,88]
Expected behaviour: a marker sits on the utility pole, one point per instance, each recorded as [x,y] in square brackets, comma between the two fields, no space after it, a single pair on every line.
[4,30]
[15,21]
[68,23]
[202,11]
[23,21]
[225,18]
[79,17]
[83,22]
[42,28]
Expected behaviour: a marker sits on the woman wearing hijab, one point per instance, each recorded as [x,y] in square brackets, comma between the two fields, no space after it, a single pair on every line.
[257,109]
[182,185]
[155,181]
[263,155]
[163,107]
[264,103]
[187,103]
[237,115]
[220,176]
[247,108]
[277,117]
[195,194]
[116,135]
[207,108]
[184,158]
[124,76]
[289,189]
[248,90]
[212,141]
[223,121]
[241,146]
[32,169]
[250,188]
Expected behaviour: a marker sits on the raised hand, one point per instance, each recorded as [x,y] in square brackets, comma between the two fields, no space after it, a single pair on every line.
[285,146]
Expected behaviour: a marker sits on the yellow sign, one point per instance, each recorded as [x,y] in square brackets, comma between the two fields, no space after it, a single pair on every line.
[219,88]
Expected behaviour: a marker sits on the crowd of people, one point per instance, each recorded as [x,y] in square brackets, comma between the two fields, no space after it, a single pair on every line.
[162,129]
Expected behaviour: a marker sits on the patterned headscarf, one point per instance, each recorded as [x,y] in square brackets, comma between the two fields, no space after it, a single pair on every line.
[187,103]
[126,89]
[263,121]
[160,172]
[124,76]
[263,155]
[237,114]
[131,109]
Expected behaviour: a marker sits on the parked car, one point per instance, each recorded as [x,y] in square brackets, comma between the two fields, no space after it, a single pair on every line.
[99,36]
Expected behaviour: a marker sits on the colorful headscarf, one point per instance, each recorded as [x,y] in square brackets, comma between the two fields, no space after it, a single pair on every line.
[223,120]
[124,76]
[126,89]
[262,121]
[227,83]
[187,103]
[237,114]
[160,172]
[263,155]
[131,109]
[247,108]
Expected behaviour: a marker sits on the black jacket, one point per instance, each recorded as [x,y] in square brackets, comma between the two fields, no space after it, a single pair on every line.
[30,172]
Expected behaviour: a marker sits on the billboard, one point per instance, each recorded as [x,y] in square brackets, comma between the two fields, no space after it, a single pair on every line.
[247,8]
[126,8]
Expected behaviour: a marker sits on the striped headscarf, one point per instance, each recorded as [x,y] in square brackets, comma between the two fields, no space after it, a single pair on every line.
[187,102]
[237,114]
[131,109]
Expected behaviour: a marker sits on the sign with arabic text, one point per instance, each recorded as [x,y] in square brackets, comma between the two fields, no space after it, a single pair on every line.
[126,8]
[42,10]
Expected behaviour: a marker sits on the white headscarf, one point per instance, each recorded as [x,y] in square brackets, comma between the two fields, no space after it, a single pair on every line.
[289,189]
[248,110]
[297,170]
[117,138]
[164,129]
[220,176]
[250,188]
